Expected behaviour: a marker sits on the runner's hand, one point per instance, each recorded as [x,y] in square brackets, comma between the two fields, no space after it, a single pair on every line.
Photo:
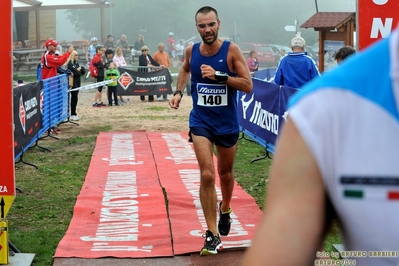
[174,102]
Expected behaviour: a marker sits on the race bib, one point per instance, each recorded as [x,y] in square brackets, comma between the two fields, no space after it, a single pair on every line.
[211,95]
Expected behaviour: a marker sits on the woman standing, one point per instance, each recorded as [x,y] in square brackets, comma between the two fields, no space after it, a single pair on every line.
[77,72]
[119,61]
[252,62]
[146,62]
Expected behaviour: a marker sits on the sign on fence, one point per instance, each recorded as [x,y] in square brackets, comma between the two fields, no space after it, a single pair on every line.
[263,111]
[27,114]
[144,83]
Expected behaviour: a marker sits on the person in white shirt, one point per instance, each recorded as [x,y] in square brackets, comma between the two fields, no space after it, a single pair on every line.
[180,53]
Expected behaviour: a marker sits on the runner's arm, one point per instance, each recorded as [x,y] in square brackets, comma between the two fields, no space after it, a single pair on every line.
[292,227]
[182,79]
[236,63]
[243,81]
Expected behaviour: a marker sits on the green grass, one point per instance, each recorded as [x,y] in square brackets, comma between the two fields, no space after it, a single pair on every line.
[157,108]
[39,217]
[27,78]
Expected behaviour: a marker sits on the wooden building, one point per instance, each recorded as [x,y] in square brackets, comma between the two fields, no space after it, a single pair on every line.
[335,28]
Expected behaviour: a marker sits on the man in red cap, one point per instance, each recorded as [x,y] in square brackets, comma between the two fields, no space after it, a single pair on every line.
[50,61]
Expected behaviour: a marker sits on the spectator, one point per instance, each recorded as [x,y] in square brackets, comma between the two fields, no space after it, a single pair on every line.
[137,46]
[146,62]
[163,60]
[124,44]
[297,68]
[171,49]
[252,62]
[91,50]
[58,50]
[112,74]
[118,59]
[108,57]
[50,61]
[332,161]
[77,72]
[188,86]
[283,54]
[99,66]
[139,43]
[109,43]
[343,53]
[179,53]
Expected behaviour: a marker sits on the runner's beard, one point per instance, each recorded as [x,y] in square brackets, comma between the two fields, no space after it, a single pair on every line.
[215,37]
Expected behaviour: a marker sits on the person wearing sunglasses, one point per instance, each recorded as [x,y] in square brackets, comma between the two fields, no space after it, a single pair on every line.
[145,63]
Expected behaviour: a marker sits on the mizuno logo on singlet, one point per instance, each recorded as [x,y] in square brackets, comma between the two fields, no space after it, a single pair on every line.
[216,91]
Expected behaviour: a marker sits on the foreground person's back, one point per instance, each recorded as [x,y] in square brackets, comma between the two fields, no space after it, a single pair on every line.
[340,145]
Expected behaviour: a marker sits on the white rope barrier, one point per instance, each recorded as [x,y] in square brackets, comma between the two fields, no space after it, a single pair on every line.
[94,85]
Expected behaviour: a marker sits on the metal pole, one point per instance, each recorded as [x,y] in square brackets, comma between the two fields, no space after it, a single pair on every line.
[317,9]
[235,32]
[110,17]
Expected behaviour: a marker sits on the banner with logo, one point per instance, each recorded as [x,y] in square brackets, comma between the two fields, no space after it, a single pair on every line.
[263,111]
[144,83]
[27,114]
[376,19]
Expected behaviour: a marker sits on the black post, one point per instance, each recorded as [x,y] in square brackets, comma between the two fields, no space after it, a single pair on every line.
[317,9]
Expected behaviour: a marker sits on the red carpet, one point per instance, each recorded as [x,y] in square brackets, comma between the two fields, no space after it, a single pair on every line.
[179,175]
[121,210]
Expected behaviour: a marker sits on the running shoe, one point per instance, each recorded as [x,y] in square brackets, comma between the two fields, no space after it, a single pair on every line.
[224,221]
[212,244]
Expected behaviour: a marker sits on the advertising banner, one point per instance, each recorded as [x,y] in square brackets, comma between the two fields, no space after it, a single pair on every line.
[376,19]
[27,114]
[263,111]
[144,83]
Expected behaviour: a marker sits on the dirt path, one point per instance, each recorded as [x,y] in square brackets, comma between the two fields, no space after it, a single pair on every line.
[133,115]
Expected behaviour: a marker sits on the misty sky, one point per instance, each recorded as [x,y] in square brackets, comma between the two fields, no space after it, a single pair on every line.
[289,10]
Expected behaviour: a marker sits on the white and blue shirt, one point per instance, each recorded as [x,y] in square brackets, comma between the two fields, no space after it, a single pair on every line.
[295,70]
[349,120]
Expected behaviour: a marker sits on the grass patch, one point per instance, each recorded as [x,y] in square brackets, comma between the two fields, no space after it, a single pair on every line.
[27,78]
[157,108]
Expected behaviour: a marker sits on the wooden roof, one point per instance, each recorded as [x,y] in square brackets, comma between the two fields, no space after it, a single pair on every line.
[329,20]
[27,5]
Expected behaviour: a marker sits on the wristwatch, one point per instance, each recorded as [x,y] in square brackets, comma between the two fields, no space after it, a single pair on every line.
[178,92]
[221,77]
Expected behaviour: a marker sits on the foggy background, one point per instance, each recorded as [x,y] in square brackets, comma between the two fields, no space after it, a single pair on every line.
[259,21]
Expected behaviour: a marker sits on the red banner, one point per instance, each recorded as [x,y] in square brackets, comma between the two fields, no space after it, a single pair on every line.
[376,19]
[7,178]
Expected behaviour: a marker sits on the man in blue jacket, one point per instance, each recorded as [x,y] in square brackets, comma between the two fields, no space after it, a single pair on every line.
[297,68]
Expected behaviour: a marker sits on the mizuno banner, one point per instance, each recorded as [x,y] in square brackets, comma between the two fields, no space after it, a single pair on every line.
[263,111]
[144,83]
